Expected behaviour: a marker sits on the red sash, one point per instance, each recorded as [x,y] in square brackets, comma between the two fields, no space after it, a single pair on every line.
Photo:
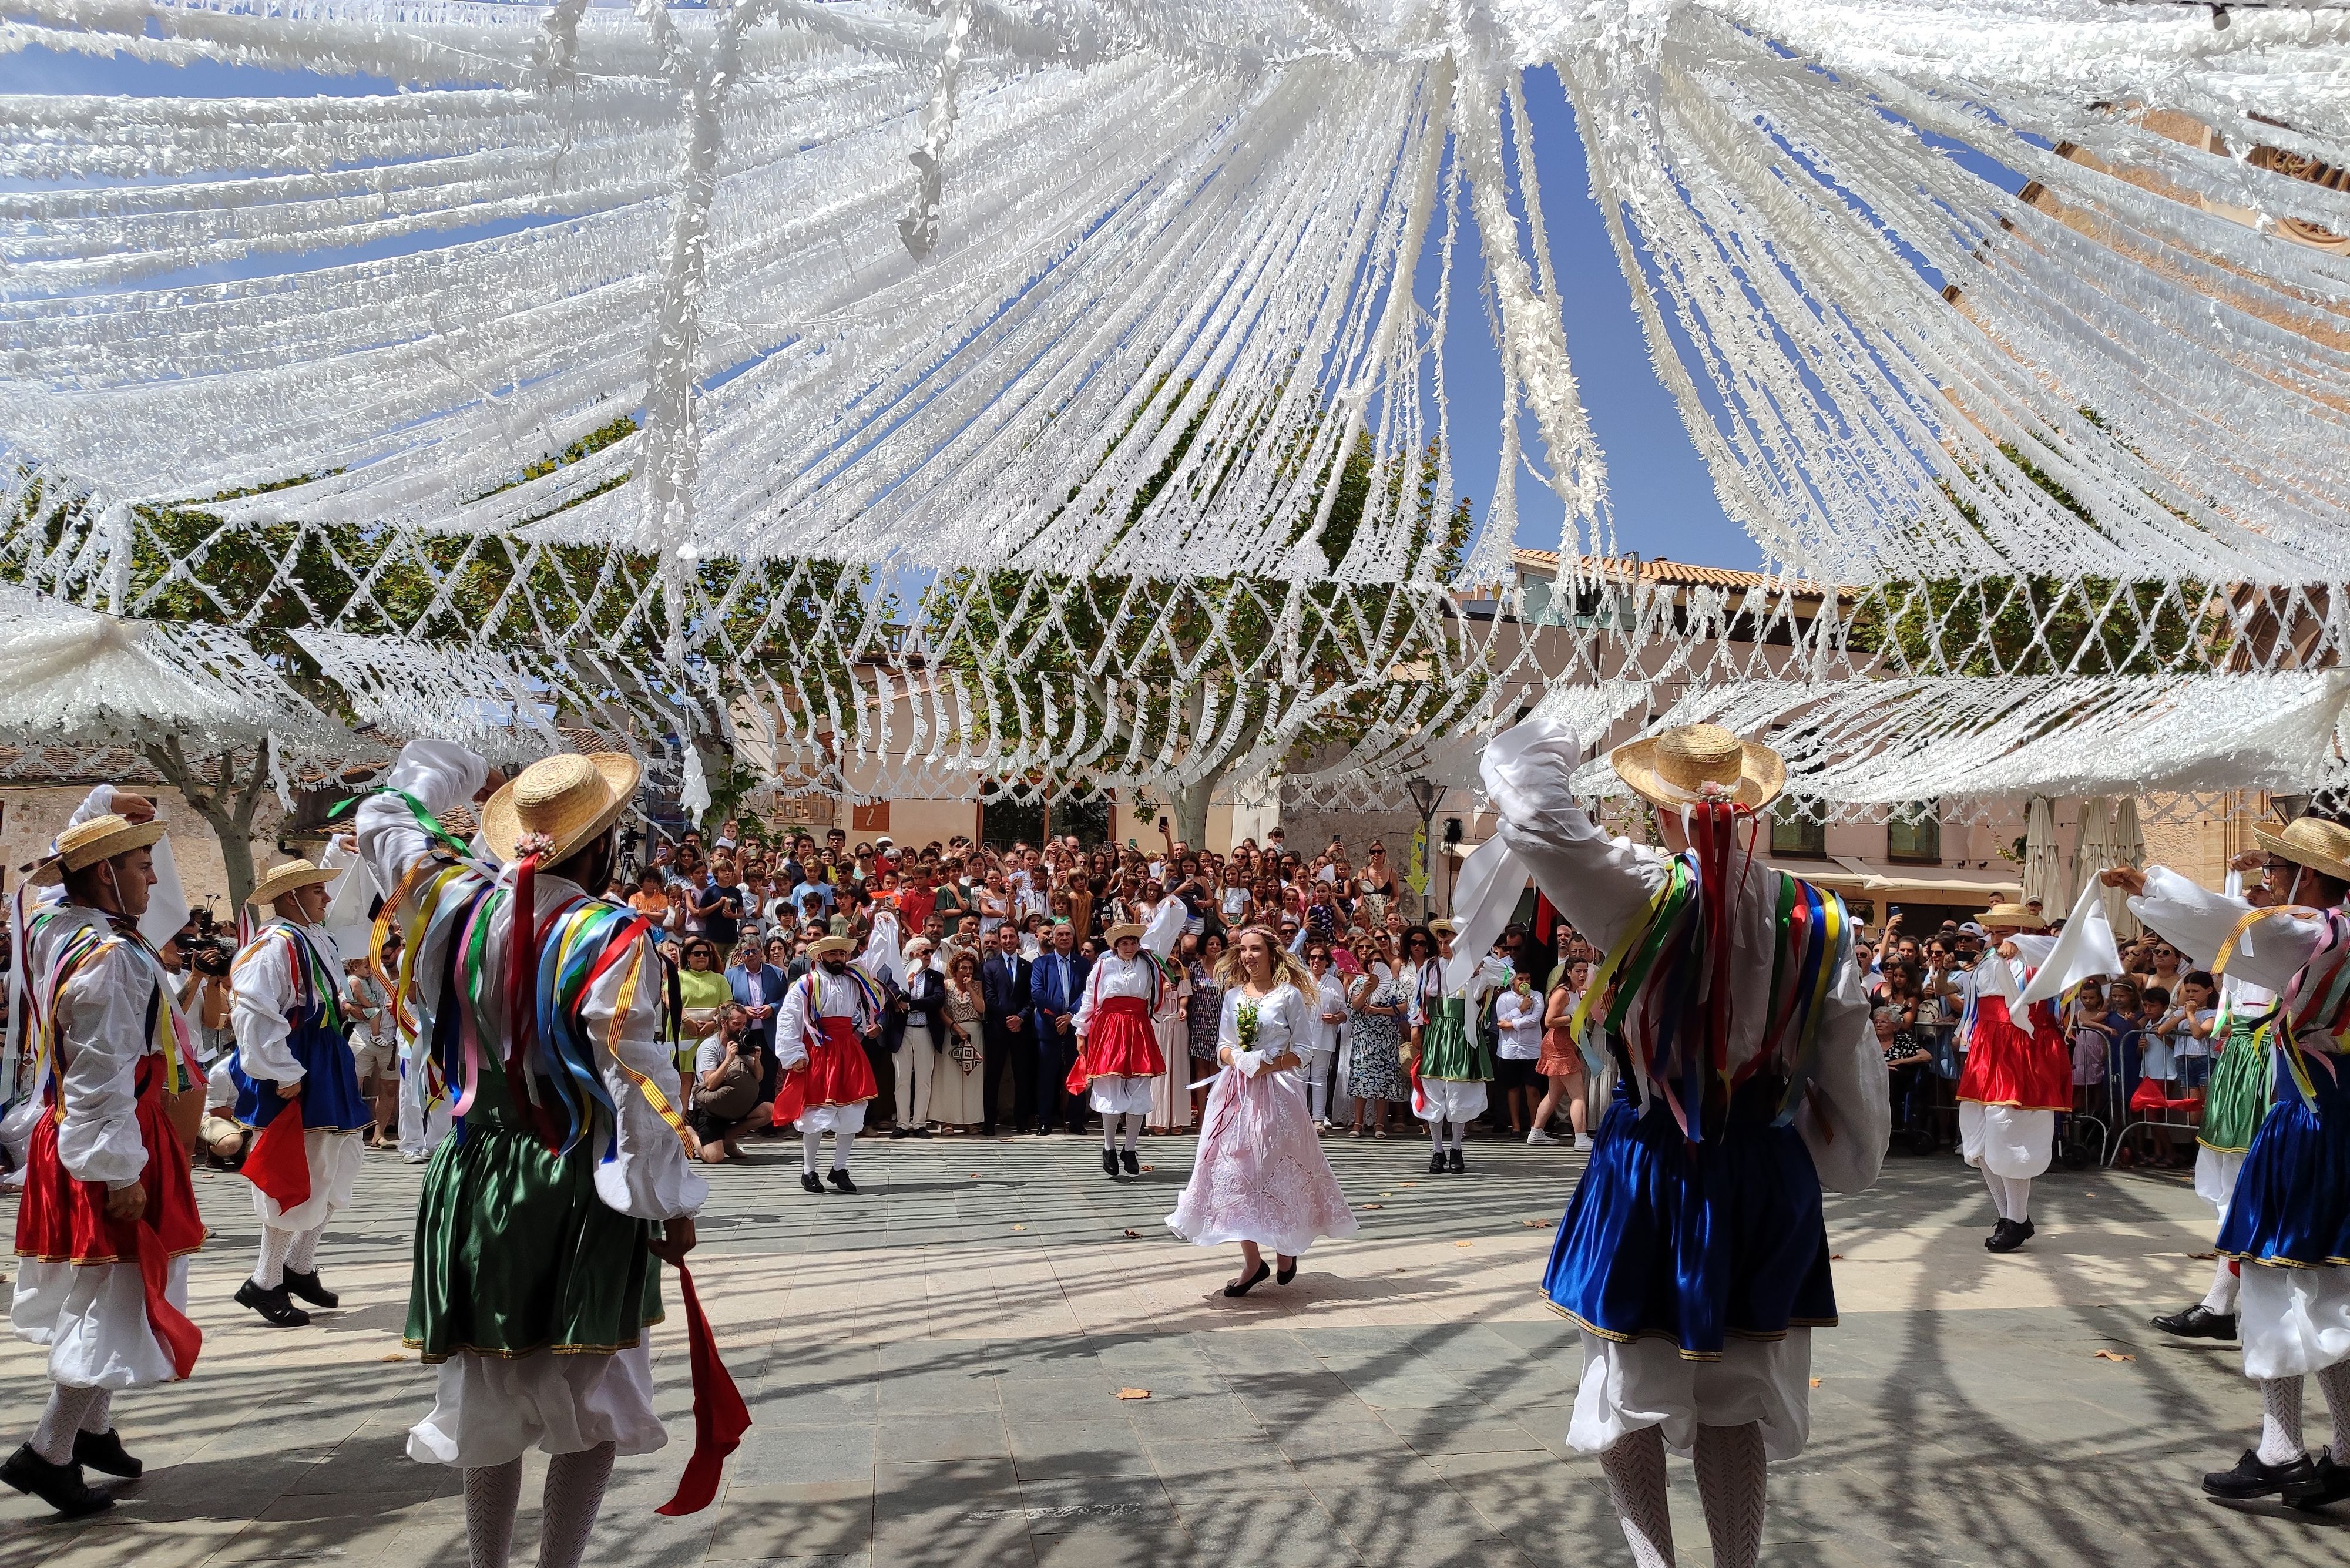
[1119,1043]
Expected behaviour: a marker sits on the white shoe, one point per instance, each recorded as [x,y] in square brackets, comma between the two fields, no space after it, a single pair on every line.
[1538,1135]
[1583,1142]
[414,1158]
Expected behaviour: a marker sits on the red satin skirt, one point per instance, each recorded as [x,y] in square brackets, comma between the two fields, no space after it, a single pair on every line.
[2008,1066]
[1120,1042]
[837,1072]
[62,1220]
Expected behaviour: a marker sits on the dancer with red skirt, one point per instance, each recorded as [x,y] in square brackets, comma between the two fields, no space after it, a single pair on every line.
[109,1219]
[2018,1076]
[1118,1050]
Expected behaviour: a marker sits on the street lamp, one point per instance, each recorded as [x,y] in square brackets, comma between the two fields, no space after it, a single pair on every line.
[1427,794]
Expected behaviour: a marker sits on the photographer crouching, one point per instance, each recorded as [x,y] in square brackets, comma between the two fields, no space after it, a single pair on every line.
[726,1099]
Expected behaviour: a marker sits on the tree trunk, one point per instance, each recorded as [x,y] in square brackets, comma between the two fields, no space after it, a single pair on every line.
[227,801]
[1189,806]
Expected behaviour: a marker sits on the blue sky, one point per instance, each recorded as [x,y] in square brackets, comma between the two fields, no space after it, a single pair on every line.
[1664,501]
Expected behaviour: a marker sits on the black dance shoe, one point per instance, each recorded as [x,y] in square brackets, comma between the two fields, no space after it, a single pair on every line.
[309,1289]
[59,1486]
[273,1306]
[811,1182]
[2198,1322]
[1435,1162]
[102,1451]
[2331,1484]
[2005,1237]
[1110,1163]
[840,1181]
[1127,1157]
[1264,1273]
[1455,1164]
[2251,1478]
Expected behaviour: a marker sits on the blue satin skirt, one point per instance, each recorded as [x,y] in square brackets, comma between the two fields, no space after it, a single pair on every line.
[330,1083]
[2291,1203]
[1694,1242]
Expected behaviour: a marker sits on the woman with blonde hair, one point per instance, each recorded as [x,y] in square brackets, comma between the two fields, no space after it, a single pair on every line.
[1259,1177]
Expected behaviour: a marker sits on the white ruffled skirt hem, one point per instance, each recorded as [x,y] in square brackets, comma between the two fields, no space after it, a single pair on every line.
[1648,1383]
[1121,1097]
[2005,1140]
[2294,1321]
[488,1409]
[93,1319]
[334,1159]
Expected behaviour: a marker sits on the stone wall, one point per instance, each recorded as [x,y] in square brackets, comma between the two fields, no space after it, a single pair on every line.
[32,816]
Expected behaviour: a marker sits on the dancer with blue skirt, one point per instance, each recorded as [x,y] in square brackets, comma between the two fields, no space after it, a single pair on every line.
[1693,1257]
[2286,1227]
[285,1003]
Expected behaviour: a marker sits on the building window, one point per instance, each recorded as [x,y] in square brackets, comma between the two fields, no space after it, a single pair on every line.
[1914,834]
[1795,833]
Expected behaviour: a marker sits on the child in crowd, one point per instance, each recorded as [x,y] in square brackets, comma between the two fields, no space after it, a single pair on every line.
[2158,1070]
[2190,1025]
[2092,1035]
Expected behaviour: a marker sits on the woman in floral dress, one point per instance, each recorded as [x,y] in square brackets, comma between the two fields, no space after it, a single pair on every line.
[1376,1003]
[1207,1011]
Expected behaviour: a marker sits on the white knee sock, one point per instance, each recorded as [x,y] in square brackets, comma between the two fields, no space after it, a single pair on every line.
[302,1257]
[1730,1484]
[1133,1130]
[1996,1186]
[1635,1467]
[491,1492]
[1109,1133]
[2335,1384]
[842,1142]
[2226,1285]
[811,1146]
[2280,1438]
[2019,1198]
[574,1494]
[53,1439]
[270,1272]
[101,1414]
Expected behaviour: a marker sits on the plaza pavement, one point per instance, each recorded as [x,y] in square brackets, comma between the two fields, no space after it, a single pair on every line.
[934,1369]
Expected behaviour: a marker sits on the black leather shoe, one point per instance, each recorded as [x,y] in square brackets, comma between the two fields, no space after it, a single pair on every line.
[2331,1484]
[2005,1237]
[273,1306]
[811,1182]
[1264,1273]
[2251,1478]
[840,1181]
[1109,1162]
[1287,1274]
[987,1130]
[2198,1322]
[1455,1164]
[1127,1157]
[102,1451]
[896,1133]
[1435,1162]
[59,1486]
[309,1289]
[2025,1230]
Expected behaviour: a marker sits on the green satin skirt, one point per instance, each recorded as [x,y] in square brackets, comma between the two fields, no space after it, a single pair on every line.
[2237,1098]
[1450,1048]
[516,1253]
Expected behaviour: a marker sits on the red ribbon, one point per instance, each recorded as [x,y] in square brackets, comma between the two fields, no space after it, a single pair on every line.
[172,1330]
[719,1416]
[277,1163]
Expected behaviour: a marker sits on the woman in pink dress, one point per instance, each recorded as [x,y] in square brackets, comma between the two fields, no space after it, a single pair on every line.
[1259,1177]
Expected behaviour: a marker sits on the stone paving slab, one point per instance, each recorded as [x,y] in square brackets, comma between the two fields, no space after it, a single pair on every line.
[933,1369]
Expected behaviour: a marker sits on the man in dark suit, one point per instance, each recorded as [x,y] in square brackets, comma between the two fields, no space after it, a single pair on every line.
[759,987]
[1004,993]
[1056,980]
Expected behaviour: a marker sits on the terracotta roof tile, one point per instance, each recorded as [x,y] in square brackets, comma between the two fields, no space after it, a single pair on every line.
[1680,574]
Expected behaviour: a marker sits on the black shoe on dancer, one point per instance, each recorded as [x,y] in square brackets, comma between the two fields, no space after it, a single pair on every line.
[1110,1163]
[2005,1237]
[1435,1162]
[1264,1273]
[102,1451]
[2198,1322]
[2331,1484]
[1131,1161]
[841,1182]
[308,1287]
[810,1181]
[273,1306]
[2251,1478]
[59,1486]
[1454,1163]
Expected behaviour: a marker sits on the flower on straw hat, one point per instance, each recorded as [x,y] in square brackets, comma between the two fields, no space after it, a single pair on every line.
[1694,762]
[85,843]
[557,804]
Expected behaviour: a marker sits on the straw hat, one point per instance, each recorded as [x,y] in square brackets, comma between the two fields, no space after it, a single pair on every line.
[2009,918]
[1443,929]
[85,843]
[565,799]
[280,880]
[827,945]
[2314,842]
[1697,762]
[1117,934]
